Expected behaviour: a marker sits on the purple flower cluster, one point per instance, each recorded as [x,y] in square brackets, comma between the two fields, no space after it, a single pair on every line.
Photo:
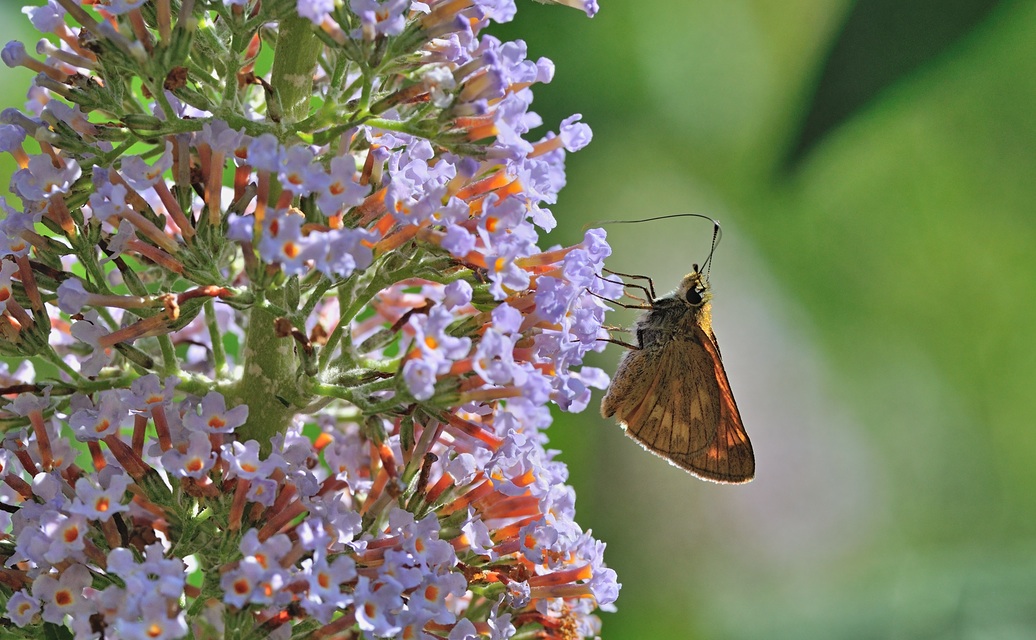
[285,369]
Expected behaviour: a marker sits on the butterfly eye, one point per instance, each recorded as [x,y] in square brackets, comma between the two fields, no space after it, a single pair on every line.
[694,296]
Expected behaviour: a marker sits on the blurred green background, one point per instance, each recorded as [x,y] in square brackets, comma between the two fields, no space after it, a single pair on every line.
[874,168]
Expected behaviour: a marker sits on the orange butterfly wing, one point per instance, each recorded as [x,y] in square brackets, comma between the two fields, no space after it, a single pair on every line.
[729,457]
[674,398]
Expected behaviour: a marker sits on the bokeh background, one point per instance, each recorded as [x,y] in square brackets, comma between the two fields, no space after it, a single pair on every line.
[874,167]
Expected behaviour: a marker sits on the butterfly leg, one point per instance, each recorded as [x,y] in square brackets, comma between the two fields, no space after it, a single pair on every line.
[620,304]
[650,286]
[627,285]
[620,343]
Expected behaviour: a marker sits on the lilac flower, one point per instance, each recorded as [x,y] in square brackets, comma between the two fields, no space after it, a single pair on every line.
[14,230]
[66,534]
[42,180]
[315,338]
[13,54]
[342,191]
[494,359]
[72,296]
[75,118]
[243,460]
[48,18]
[155,623]
[11,138]
[457,294]
[262,491]
[379,17]
[148,392]
[315,10]
[63,596]
[96,503]
[240,228]
[574,134]
[108,203]
[340,252]
[156,574]
[23,373]
[283,242]
[140,175]
[7,269]
[325,579]
[266,554]
[420,377]
[22,608]
[588,6]
[376,603]
[99,421]
[195,461]
[430,596]
[241,585]
[215,417]
[435,344]
[220,137]
[572,391]
[458,241]
[300,174]
[464,630]
[26,404]
[497,10]
[500,625]
[119,7]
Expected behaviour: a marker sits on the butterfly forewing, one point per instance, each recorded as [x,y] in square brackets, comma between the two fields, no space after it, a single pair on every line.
[673,419]
[729,457]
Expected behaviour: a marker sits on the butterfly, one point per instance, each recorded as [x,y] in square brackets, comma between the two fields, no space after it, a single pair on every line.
[671,393]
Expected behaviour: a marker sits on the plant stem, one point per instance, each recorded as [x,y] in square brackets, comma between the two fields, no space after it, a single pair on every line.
[295,58]
[219,356]
[268,379]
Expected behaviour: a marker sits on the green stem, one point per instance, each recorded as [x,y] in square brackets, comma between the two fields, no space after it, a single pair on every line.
[219,356]
[88,259]
[315,296]
[122,382]
[379,278]
[384,366]
[197,384]
[163,102]
[268,383]
[56,360]
[295,58]
[169,364]
[333,391]
[345,319]
[377,385]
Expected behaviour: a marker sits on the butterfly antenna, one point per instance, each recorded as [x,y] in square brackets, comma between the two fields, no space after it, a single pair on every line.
[717,235]
[717,232]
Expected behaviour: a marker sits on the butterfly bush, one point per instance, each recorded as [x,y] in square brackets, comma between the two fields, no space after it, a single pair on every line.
[281,331]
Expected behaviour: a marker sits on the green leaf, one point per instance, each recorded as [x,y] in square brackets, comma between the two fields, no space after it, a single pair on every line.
[53,631]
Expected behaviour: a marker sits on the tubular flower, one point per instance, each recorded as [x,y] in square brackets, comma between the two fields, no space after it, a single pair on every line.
[295,334]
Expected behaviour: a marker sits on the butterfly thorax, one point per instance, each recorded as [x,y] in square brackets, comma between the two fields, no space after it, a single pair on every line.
[670,315]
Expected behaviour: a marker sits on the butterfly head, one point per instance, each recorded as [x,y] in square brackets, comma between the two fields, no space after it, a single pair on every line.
[694,289]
